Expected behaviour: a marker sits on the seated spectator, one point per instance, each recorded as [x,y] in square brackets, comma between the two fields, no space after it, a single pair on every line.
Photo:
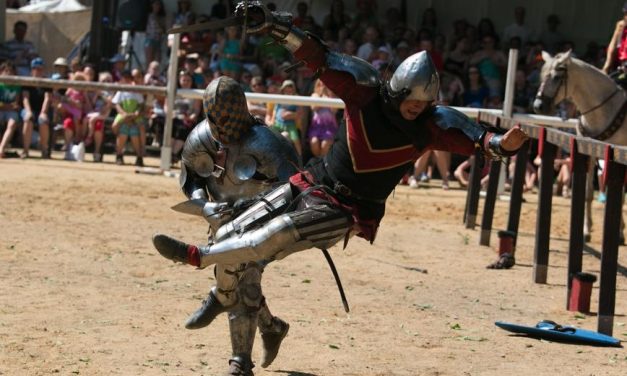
[19,50]
[383,56]
[456,61]
[75,65]
[257,108]
[71,108]
[451,89]
[285,117]
[490,62]
[442,161]
[60,69]
[118,62]
[370,43]
[128,120]
[153,75]
[97,117]
[190,65]
[337,18]
[37,106]
[324,124]
[9,107]
[476,93]
[523,94]
[187,113]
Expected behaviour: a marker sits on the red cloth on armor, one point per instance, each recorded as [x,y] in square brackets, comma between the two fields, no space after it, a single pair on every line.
[622,47]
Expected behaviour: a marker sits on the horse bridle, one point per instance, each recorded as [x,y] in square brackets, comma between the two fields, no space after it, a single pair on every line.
[560,79]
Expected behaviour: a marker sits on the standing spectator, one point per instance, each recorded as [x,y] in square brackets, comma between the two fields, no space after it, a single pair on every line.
[9,106]
[485,27]
[337,18]
[186,116]
[128,120]
[36,102]
[370,43]
[155,31]
[221,9]
[184,15]
[442,161]
[71,109]
[490,62]
[301,13]
[230,53]
[383,56]
[286,116]
[429,21]
[551,38]
[617,48]
[436,57]
[97,117]
[349,47]
[191,65]
[518,28]
[323,123]
[459,30]
[19,50]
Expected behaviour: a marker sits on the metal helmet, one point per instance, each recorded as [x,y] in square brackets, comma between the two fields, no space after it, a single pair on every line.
[415,78]
[225,105]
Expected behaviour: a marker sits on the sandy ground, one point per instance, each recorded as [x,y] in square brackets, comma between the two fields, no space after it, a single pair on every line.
[83,291]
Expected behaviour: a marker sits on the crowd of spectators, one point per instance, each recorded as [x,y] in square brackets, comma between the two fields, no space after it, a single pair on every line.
[471,59]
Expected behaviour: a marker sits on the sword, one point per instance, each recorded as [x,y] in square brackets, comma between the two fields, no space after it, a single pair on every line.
[337,279]
[211,25]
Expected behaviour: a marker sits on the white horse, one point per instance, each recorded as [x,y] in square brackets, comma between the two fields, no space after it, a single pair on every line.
[601,102]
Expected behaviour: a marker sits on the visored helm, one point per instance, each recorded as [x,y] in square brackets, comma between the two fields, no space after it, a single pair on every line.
[415,78]
[227,113]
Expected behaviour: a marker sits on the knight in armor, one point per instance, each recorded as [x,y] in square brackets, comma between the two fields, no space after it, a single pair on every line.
[388,126]
[616,56]
[228,159]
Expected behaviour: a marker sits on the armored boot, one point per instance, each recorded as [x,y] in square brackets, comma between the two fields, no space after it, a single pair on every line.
[240,366]
[210,309]
[271,338]
[176,250]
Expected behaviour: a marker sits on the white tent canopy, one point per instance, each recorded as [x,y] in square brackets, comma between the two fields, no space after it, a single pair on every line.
[50,6]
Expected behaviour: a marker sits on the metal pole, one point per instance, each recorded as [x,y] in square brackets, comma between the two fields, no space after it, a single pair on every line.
[166,149]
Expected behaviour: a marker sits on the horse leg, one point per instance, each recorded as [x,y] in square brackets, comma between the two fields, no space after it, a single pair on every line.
[587,230]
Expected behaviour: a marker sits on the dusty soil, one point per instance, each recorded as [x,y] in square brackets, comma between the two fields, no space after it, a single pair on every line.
[83,291]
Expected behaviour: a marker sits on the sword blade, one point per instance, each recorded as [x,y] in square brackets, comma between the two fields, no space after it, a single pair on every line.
[211,25]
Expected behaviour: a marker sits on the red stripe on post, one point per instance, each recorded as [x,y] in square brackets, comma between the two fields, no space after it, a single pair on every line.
[573,152]
[541,141]
[608,155]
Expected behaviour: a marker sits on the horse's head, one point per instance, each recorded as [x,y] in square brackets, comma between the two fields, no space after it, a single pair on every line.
[553,82]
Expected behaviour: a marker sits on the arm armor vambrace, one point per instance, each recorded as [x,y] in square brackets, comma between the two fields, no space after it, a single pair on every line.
[486,138]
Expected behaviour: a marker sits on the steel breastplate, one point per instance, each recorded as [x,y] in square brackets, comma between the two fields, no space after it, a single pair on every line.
[261,159]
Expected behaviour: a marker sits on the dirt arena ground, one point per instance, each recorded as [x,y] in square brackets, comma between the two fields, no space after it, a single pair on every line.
[84,293]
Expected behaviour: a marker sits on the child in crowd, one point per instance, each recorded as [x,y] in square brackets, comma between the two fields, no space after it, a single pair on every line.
[285,117]
[71,109]
[128,120]
[9,106]
[323,123]
[96,118]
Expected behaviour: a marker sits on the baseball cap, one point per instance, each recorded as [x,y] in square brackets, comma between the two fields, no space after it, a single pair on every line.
[117,58]
[37,63]
[61,61]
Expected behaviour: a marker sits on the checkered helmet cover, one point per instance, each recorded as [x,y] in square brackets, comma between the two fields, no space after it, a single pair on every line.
[225,105]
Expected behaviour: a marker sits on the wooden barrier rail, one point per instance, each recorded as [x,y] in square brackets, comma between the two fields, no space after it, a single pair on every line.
[582,150]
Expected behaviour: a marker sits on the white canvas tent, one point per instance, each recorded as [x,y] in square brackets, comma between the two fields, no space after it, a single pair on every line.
[54,26]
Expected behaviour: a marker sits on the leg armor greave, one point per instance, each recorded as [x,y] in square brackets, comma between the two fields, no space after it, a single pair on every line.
[318,226]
